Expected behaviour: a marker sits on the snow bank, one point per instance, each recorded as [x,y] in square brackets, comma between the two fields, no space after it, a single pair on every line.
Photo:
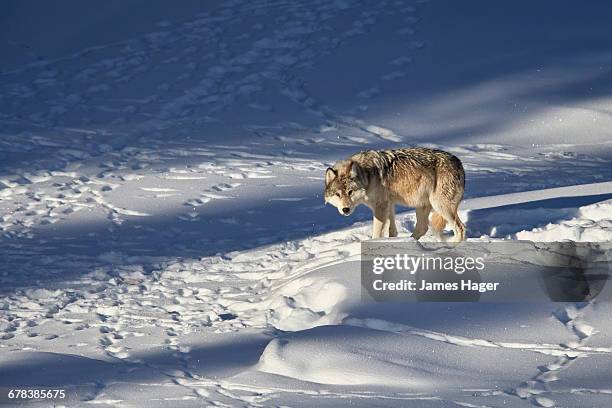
[355,355]
[592,223]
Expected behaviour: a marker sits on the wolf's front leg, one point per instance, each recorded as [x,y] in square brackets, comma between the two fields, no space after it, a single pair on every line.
[392,226]
[380,223]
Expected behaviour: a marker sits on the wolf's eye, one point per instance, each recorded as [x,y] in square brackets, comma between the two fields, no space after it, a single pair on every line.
[350,192]
[337,194]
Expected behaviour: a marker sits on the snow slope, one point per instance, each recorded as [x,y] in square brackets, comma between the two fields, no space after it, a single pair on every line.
[163,236]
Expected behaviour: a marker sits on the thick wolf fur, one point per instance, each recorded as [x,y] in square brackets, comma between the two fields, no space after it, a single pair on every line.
[426,179]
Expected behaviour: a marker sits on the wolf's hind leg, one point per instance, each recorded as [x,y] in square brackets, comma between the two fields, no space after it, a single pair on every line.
[422,223]
[449,213]
[438,223]
[459,229]
[380,223]
[392,225]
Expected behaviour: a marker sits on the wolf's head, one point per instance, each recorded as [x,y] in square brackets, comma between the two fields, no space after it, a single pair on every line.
[345,186]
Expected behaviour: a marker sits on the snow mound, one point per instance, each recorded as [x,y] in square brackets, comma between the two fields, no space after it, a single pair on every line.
[593,223]
[345,355]
[306,303]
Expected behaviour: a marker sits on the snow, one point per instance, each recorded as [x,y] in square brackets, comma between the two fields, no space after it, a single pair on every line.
[163,236]
[592,224]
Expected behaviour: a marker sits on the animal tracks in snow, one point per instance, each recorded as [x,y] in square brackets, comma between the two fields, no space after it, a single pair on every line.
[136,172]
[538,388]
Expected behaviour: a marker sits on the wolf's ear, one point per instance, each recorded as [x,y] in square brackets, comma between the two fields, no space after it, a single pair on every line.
[358,173]
[330,175]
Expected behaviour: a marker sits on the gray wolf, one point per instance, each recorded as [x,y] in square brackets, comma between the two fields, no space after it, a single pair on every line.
[427,179]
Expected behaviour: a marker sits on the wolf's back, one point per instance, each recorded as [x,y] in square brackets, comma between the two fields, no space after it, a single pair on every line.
[392,163]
